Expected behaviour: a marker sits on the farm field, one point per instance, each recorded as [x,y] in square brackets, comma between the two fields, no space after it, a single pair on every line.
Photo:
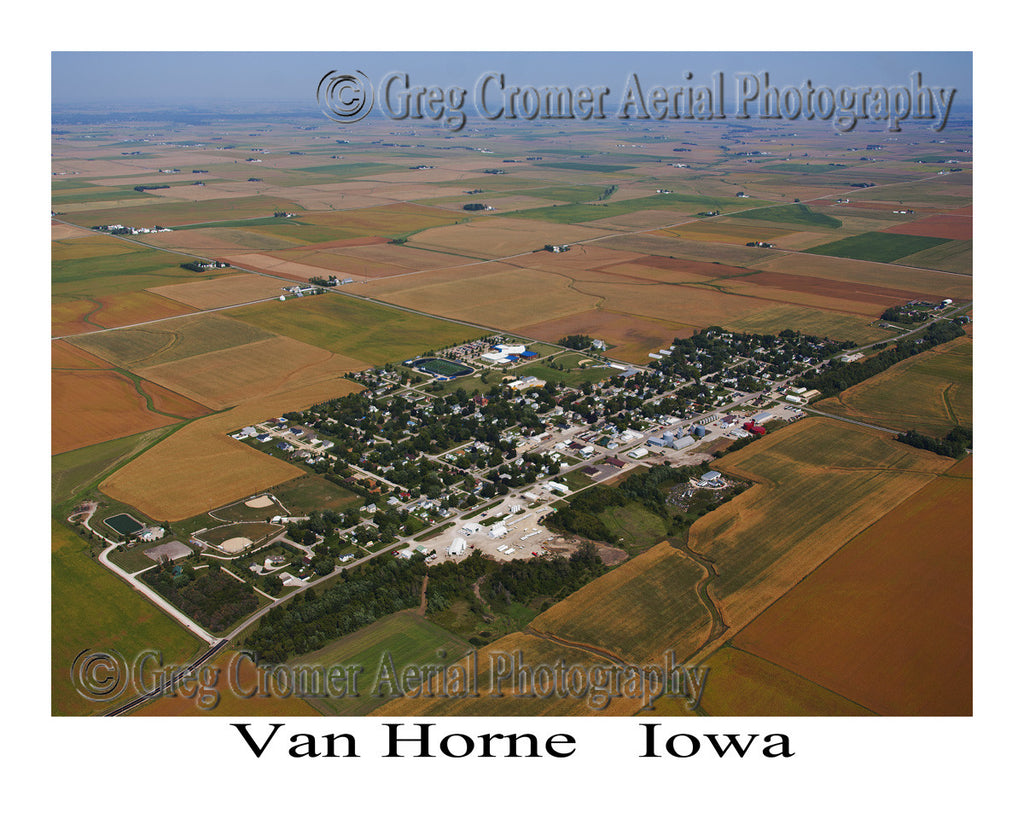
[92,405]
[937,284]
[218,378]
[207,467]
[75,472]
[886,622]
[818,483]
[170,340]
[498,699]
[222,291]
[741,684]
[397,641]
[90,607]
[940,226]
[930,392]
[637,611]
[494,237]
[369,332]
[877,246]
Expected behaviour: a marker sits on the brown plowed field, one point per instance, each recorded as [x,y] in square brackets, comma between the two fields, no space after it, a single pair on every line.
[887,621]
[93,406]
[115,310]
[941,227]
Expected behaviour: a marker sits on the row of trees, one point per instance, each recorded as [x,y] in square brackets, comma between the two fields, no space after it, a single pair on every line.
[837,377]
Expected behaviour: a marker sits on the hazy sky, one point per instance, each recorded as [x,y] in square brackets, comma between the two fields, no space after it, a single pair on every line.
[219,78]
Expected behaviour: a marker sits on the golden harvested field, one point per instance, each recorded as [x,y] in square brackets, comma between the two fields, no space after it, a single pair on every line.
[265,263]
[641,220]
[801,240]
[218,242]
[59,231]
[495,236]
[222,291]
[730,232]
[637,611]
[818,483]
[930,392]
[222,378]
[838,326]
[400,257]
[492,294]
[170,340]
[205,466]
[667,243]
[956,256]
[741,684]
[384,220]
[887,621]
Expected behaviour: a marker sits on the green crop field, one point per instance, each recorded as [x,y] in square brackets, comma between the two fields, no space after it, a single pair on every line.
[403,639]
[92,610]
[877,247]
[586,166]
[686,204]
[363,330]
[793,215]
[795,167]
[99,266]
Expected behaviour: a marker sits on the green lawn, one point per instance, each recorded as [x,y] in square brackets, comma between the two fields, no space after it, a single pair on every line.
[638,527]
[312,493]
